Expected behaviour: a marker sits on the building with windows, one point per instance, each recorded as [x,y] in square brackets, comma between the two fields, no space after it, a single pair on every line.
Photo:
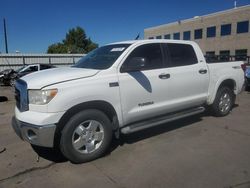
[225,33]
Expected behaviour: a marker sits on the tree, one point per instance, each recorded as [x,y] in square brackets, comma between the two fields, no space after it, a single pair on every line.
[58,48]
[75,41]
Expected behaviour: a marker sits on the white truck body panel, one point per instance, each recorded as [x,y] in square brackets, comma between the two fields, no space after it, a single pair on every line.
[223,71]
[57,75]
[184,89]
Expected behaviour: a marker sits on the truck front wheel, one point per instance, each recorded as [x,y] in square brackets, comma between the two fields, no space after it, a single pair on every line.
[223,102]
[86,136]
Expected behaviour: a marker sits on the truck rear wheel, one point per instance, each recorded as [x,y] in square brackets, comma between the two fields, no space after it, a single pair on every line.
[86,136]
[223,102]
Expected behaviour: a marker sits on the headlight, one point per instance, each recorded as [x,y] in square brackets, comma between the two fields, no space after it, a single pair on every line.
[41,97]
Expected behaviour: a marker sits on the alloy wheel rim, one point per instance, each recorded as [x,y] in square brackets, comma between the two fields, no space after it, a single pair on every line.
[225,103]
[88,136]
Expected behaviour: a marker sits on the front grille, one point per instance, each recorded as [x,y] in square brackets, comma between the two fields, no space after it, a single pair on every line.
[21,95]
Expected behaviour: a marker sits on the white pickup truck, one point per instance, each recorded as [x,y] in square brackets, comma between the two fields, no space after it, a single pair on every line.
[120,88]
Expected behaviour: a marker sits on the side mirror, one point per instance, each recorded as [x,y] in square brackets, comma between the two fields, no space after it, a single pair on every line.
[134,64]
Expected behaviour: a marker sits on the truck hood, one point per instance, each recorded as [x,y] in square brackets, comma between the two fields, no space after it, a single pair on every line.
[40,79]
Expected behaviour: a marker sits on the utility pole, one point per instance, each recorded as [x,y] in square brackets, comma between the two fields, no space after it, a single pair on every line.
[235,4]
[5,36]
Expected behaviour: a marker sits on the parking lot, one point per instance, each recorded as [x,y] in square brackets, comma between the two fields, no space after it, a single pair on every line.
[199,151]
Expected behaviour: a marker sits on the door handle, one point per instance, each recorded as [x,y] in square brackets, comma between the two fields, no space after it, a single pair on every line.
[203,71]
[164,76]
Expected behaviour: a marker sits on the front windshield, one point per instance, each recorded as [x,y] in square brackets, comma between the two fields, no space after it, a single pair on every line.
[102,58]
[20,69]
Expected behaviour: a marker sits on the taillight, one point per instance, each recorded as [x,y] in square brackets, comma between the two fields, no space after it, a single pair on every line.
[244,67]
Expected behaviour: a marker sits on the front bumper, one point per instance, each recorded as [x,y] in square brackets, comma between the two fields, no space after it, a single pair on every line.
[35,134]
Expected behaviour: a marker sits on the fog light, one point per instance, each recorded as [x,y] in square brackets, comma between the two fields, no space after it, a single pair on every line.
[31,134]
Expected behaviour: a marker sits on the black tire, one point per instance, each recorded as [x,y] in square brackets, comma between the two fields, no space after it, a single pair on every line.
[247,88]
[217,110]
[66,141]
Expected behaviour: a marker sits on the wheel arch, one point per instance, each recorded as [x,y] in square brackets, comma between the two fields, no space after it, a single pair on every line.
[103,106]
[230,83]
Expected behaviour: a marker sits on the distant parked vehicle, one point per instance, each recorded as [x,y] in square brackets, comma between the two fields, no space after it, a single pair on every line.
[11,75]
[5,76]
[247,76]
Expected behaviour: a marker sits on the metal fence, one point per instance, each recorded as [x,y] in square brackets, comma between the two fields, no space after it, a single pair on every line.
[15,61]
[226,58]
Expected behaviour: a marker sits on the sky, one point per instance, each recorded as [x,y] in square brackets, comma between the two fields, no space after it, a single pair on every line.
[33,25]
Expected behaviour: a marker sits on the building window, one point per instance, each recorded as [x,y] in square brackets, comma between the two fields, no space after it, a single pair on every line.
[225,30]
[211,32]
[198,34]
[158,37]
[150,37]
[177,36]
[224,55]
[210,53]
[167,36]
[242,27]
[241,55]
[186,35]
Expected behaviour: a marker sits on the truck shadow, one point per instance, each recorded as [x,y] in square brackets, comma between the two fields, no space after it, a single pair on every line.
[50,154]
[154,131]
[142,80]
[57,157]
[160,129]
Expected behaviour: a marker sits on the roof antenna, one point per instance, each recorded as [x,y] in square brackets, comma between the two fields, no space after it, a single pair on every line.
[235,4]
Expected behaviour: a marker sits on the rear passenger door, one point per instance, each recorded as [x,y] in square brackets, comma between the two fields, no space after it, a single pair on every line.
[188,75]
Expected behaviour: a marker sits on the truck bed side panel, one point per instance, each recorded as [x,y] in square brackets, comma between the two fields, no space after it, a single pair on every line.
[220,72]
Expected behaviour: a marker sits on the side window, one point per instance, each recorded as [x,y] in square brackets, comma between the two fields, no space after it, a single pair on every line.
[43,67]
[34,68]
[148,55]
[181,54]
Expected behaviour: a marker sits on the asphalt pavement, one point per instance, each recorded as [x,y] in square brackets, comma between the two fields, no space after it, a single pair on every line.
[199,151]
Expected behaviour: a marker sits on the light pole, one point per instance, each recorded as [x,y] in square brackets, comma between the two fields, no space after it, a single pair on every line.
[5,36]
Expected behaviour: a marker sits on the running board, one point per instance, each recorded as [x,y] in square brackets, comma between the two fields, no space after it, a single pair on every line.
[160,120]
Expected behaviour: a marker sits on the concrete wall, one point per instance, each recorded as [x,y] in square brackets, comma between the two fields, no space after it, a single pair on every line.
[229,42]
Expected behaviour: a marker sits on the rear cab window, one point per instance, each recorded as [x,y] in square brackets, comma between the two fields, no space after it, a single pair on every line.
[180,54]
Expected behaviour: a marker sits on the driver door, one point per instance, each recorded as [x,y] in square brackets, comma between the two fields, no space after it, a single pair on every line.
[142,90]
